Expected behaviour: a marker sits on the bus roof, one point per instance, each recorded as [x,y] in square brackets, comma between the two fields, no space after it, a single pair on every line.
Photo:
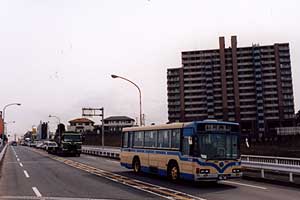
[175,125]
[155,127]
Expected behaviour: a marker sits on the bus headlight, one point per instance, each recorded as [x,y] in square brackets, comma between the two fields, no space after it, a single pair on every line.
[236,170]
[202,171]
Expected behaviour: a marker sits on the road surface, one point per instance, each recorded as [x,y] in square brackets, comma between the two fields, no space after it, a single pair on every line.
[29,173]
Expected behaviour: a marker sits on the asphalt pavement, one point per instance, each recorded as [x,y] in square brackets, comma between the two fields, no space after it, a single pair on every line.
[26,174]
[32,174]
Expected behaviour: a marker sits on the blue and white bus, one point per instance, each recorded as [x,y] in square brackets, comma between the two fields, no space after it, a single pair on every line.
[199,150]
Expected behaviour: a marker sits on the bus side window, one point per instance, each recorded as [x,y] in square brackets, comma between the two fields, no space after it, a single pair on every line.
[125,139]
[164,137]
[138,139]
[130,136]
[175,139]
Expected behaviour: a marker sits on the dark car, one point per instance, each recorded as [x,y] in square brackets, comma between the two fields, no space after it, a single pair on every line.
[14,143]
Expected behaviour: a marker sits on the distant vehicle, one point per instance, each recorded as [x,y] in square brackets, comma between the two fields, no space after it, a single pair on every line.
[32,144]
[27,142]
[51,147]
[200,150]
[39,144]
[14,143]
[68,143]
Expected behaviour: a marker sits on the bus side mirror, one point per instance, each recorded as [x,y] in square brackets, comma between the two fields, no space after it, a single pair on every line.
[190,140]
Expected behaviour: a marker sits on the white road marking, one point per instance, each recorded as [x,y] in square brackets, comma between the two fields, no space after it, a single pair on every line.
[18,159]
[21,164]
[36,191]
[243,184]
[50,198]
[26,174]
[16,155]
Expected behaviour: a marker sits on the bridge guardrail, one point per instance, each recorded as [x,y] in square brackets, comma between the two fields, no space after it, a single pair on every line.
[280,164]
[104,152]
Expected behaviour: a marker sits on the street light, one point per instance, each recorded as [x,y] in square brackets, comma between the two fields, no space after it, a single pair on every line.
[10,122]
[140,94]
[6,123]
[3,117]
[53,116]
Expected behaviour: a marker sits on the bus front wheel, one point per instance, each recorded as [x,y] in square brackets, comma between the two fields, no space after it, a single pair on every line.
[173,171]
[136,165]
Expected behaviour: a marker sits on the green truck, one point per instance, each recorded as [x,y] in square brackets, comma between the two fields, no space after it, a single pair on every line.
[68,143]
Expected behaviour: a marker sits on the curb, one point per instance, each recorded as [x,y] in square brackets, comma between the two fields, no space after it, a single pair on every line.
[2,153]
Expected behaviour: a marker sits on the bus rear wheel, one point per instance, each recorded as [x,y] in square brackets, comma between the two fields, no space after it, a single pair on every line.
[173,171]
[136,165]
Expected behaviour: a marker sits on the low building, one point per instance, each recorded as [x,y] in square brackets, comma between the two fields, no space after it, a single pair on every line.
[114,124]
[81,125]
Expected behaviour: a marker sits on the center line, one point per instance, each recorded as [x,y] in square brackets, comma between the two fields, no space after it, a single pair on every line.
[26,174]
[243,184]
[21,164]
[36,192]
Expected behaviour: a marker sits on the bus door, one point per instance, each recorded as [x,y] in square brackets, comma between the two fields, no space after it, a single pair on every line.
[187,165]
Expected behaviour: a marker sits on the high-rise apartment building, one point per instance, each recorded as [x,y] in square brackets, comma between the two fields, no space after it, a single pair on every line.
[250,85]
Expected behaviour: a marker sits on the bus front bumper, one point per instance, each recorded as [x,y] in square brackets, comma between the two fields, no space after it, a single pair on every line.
[216,177]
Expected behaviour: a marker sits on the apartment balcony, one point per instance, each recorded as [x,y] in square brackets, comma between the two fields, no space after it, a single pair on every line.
[173,86]
[268,62]
[204,115]
[269,74]
[194,91]
[195,78]
[271,117]
[284,60]
[173,91]
[196,109]
[270,86]
[270,92]
[173,97]
[193,73]
[173,109]
[194,103]
[273,105]
[271,111]
[194,96]
[175,103]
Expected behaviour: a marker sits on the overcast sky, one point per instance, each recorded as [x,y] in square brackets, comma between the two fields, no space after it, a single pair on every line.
[56,56]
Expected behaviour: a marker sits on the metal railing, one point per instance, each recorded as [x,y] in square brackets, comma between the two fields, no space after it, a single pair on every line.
[279,164]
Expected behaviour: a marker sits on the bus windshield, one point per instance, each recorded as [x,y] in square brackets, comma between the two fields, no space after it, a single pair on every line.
[72,138]
[218,146]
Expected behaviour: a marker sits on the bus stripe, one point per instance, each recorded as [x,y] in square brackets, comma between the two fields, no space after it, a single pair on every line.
[220,170]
